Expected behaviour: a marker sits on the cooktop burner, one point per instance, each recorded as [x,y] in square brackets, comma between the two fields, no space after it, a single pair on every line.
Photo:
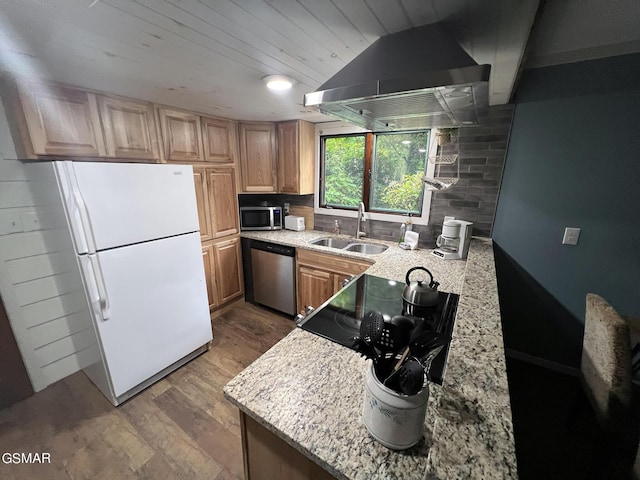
[339,319]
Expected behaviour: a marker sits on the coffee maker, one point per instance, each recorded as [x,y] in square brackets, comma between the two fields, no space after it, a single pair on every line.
[454,242]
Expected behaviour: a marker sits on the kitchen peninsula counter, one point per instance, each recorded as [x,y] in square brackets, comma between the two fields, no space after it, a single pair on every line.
[308,391]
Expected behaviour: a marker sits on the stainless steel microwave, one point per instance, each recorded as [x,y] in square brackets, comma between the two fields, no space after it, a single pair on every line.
[261,218]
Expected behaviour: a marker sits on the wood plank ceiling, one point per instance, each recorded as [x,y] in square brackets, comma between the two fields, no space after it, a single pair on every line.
[210,55]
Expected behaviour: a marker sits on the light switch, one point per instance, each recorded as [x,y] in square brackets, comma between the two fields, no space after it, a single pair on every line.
[571,236]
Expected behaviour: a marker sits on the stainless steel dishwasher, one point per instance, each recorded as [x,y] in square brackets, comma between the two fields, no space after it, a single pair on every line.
[273,276]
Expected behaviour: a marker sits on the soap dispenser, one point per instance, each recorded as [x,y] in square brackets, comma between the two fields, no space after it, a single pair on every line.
[403,229]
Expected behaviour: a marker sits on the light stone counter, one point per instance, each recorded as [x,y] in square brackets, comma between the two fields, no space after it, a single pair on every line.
[308,390]
[392,264]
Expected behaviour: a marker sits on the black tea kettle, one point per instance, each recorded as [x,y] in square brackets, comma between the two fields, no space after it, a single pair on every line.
[418,295]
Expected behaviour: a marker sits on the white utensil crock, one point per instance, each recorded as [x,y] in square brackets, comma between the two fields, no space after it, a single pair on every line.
[393,419]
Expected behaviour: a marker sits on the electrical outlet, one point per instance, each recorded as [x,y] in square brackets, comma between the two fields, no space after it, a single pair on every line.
[571,236]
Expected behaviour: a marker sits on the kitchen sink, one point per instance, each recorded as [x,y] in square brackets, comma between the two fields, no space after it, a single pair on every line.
[369,248]
[349,245]
[331,242]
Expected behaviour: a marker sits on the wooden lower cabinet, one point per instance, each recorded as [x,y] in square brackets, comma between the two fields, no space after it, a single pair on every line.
[314,287]
[209,273]
[320,275]
[228,260]
[223,270]
[267,457]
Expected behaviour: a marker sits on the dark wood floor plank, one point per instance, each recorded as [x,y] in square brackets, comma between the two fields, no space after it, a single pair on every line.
[213,437]
[181,451]
[156,468]
[97,461]
[208,397]
[200,438]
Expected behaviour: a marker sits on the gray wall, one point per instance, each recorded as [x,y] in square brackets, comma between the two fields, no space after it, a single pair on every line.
[573,160]
[482,151]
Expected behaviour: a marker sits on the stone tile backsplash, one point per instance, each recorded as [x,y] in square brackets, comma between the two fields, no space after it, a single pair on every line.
[481,152]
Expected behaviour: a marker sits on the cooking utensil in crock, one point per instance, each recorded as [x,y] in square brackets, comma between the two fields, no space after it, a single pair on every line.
[404,327]
[371,326]
[428,358]
[416,332]
[419,293]
[410,377]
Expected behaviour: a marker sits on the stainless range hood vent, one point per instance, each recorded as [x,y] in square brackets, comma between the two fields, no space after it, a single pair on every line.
[418,78]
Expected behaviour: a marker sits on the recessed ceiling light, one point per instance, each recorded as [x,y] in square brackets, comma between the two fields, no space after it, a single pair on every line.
[278,82]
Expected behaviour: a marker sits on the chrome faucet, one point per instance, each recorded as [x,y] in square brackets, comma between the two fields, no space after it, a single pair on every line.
[360,233]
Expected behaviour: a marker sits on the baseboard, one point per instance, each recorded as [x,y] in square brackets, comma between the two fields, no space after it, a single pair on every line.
[541,362]
[225,308]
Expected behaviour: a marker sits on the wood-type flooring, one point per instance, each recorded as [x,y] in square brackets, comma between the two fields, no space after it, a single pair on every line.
[182,427]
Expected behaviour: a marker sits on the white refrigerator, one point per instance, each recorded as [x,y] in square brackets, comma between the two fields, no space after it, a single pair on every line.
[135,232]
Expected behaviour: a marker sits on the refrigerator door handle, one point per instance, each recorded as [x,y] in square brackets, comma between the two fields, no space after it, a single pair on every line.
[103,298]
[80,220]
[85,219]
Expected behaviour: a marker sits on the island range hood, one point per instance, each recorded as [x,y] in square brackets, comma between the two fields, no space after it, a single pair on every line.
[414,79]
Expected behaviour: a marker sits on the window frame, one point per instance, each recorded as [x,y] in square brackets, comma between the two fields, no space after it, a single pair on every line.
[335,129]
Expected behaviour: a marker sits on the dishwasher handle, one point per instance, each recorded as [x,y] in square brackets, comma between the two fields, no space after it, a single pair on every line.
[276,248]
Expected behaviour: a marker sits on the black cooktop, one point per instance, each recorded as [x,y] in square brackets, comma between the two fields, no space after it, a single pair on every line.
[339,319]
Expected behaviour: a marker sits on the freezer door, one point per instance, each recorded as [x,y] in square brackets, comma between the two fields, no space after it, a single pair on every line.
[115,204]
[155,304]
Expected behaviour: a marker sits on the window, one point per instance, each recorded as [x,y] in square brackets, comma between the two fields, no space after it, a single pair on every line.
[383,170]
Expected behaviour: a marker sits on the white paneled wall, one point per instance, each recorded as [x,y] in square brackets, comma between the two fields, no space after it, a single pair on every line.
[39,285]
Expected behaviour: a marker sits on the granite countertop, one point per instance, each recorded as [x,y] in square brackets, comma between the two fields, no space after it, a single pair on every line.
[309,391]
[392,263]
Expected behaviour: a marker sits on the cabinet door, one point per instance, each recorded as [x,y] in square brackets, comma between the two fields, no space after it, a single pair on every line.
[202,200]
[228,266]
[339,279]
[208,258]
[216,136]
[181,135]
[314,287]
[223,201]
[257,157]
[296,157]
[62,121]
[129,128]
[288,166]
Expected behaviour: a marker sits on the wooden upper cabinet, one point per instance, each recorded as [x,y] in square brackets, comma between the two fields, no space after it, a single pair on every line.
[217,137]
[223,201]
[61,121]
[181,135]
[202,200]
[129,128]
[296,157]
[257,157]
[217,201]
